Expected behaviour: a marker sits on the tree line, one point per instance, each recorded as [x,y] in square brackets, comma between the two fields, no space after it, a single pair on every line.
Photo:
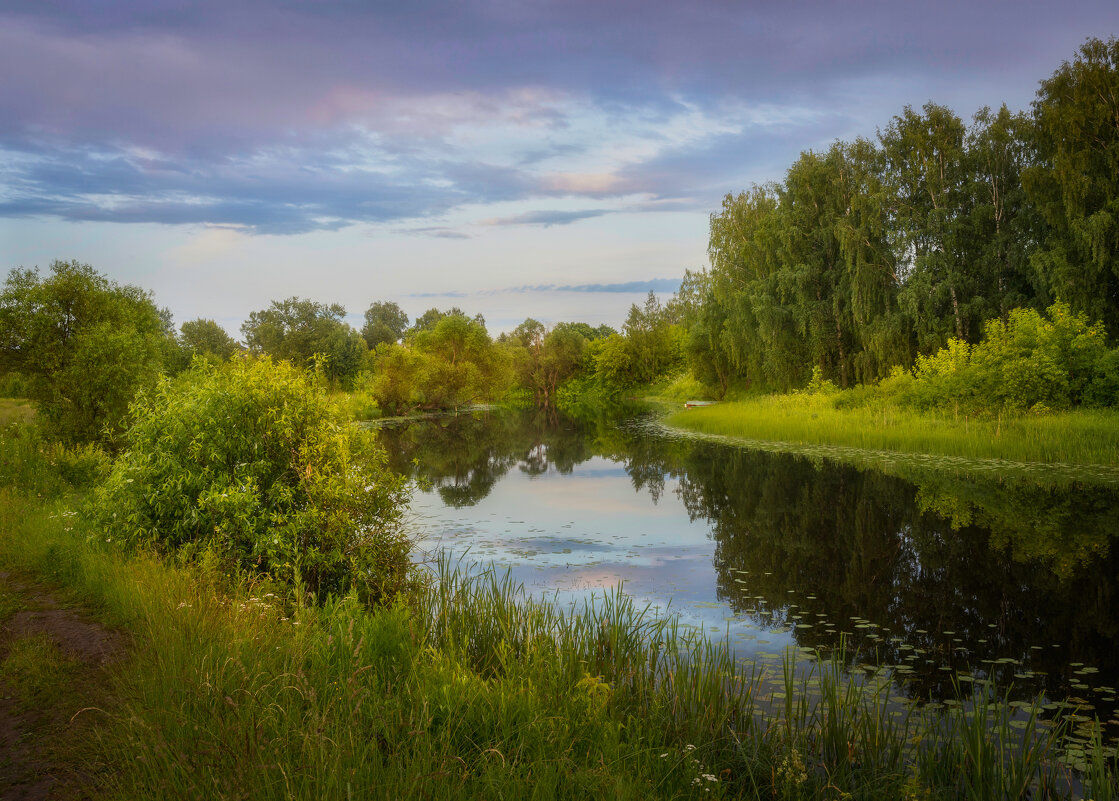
[82,347]
[875,251]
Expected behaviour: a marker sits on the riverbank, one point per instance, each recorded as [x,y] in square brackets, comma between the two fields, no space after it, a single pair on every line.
[846,420]
[470,689]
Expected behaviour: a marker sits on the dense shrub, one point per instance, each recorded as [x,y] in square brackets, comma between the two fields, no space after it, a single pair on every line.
[1028,362]
[252,460]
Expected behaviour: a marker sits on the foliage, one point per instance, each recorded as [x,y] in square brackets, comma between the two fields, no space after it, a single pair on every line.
[1074,182]
[343,357]
[685,387]
[612,362]
[38,466]
[1027,362]
[430,318]
[14,385]
[250,460]
[818,385]
[802,274]
[294,329]
[396,385]
[927,171]
[447,366]
[207,339]
[385,322]
[544,360]
[84,344]
[654,344]
[308,334]
[704,319]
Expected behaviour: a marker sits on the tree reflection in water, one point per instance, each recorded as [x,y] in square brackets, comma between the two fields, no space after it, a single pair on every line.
[934,571]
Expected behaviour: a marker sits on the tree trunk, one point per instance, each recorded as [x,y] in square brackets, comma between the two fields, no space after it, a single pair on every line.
[956,311]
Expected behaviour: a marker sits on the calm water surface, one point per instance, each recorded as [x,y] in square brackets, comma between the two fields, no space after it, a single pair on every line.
[942,575]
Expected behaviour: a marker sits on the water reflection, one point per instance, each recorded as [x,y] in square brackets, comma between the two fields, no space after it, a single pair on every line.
[935,572]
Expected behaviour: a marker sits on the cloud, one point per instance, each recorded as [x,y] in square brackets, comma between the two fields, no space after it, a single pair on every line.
[447,294]
[660,285]
[663,285]
[547,218]
[436,231]
[278,192]
[288,117]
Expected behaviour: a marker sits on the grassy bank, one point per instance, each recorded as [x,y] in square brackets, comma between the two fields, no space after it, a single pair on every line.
[469,689]
[848,419]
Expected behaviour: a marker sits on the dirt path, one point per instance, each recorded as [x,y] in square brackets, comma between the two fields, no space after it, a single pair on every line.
[53,662]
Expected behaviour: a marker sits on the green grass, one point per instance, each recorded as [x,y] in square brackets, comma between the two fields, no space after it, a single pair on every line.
[15,410]
[848,420]
[37,671]
[470,689]
[10,603]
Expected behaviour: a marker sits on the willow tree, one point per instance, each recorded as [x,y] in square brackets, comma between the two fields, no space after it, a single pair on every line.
[543,360]
[862,229]
[704,319]
[810,262]
[749,281]
[834,214]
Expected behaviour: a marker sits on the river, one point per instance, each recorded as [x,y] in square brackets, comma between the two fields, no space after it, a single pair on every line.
[950,578]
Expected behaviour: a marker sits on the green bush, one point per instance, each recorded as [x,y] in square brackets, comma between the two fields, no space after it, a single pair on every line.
[1028,362]
[252,460]
[818,385]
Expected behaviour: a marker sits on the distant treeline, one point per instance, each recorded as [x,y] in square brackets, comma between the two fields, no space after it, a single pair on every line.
[872,252]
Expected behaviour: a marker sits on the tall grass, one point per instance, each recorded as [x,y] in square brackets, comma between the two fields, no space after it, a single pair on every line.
[475,690]
[1085,437]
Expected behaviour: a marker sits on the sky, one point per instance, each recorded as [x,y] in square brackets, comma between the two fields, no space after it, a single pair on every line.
[513,158]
